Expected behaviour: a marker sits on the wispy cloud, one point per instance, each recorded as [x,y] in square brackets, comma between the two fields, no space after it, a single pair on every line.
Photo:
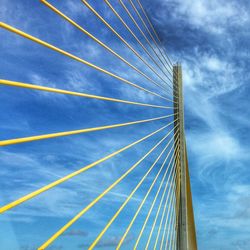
[211,40]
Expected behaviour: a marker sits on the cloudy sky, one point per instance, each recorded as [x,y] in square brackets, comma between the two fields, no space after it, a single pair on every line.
[209,38]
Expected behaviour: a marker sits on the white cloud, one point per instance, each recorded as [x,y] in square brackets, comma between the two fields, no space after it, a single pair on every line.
[210,75]
[213,16]
[217,145]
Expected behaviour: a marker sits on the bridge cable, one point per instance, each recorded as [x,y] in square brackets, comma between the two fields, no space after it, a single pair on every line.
[75,132]
[137,212]
[133,34]
[152,206]
[169,231]
[140,17]
[169,198]
[52,47]
[75,173]
[168,213]
[134,21]
[79,94]
[149,32]
[172,234]
[121,38]
[168,62]
[152,27]
[171,201]
[178,204]
[50,6]
[100,235]
[83,211]
[168,182]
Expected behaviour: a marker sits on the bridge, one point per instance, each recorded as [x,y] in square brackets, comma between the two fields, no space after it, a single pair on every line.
[169,220]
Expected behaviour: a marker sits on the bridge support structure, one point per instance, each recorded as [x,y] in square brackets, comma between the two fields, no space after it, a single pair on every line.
[185,226]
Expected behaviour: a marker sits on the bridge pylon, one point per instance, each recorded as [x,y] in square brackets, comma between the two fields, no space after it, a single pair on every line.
[185,226]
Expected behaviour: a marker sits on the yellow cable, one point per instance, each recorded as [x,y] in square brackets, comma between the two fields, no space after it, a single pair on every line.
[169,232]
[99,42]
[152,27]
[117,34]
[164,210]
[172,233]
[67,92]
[152,37]
[167,216]
[52,47]
[171,224]
[138,210]
[171,200]
[150,23]
[69,176]
[74,132]
[145,37]
[82,212]
[155,219]
[138,40]
[143,34]
[170,70]
[131,195]
[178,204]
[134,21]
[172,230]
[152,205]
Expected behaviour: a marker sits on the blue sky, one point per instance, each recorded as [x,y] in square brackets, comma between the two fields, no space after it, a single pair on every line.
[210,39]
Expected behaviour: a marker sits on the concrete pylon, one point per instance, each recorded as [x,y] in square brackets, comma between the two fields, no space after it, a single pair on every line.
[186,233]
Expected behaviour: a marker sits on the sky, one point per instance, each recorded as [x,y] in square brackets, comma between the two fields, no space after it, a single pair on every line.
[210,40]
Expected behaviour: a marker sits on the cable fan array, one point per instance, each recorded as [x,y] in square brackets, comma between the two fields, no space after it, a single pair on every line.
[158,74]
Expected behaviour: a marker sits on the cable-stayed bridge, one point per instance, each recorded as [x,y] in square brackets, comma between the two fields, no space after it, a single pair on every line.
[169,221]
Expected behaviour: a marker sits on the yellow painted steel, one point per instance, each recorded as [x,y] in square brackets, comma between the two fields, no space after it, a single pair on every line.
[164,209]
[160,206]
[178,183]
[172,222]
[172,199]
[145,37]
[172,238]
[168,63]
[167,235]
[150,23]
[74,132]
[119,36]
[150,34]
[133,192]
[52,47]
[100,43]
[139,209]
[168,213]
[69,176]
[152,27]
[152,205]
[192,242]
[169,231]
[99,197]
[156,217]
[150,45]
[168,222]
[139,42]
[79,94]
